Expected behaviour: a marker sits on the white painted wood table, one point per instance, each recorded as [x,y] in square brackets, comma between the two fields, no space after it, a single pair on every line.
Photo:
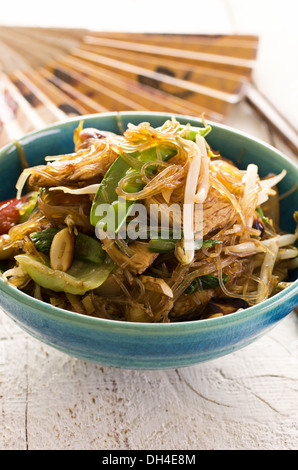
[246,400]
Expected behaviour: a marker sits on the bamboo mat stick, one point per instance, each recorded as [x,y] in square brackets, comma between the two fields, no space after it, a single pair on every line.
[10,128]
[205,76]
[48,111]
[33,119]
[19,117]
[203,96]
[108,98]
[62,40]
[243,65]
[115,71]
[36,52]
[150,98]
[243,45]
[10,59]
[179,83]
[59,98]
[201,43]
[91,105]
[62,33]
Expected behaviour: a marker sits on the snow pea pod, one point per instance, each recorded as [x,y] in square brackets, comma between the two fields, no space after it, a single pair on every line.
[108,209]
[193,131]
[106,202]
[120,208]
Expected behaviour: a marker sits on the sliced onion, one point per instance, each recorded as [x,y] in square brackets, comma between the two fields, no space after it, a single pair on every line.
[250,178]
[205,184]
[287,239]
[242,247]
[91,189]
[186,253]
[250,185]
[157,285]
[273,181]
[167,193]
[268,265]
[283,240]
[262,197]
[21,182]
[287,253]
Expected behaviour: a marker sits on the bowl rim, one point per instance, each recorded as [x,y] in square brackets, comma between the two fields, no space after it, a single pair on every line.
[84,320]
[187,326]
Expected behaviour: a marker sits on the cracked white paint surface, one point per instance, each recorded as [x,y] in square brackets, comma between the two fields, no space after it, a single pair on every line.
[247,400]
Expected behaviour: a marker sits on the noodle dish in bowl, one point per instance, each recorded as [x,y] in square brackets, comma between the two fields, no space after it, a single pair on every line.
[163,235]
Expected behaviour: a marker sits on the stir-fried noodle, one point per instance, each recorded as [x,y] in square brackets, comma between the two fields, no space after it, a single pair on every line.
[149,226]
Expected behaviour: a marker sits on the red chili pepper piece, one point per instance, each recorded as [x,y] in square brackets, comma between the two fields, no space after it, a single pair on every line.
[9,213]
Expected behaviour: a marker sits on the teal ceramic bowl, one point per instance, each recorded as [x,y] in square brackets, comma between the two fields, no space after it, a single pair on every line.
[148,346]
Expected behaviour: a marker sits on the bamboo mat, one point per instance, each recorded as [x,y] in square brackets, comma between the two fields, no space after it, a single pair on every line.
[48,75]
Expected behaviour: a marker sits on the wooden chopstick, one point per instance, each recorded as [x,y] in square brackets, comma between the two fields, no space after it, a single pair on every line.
[273,117]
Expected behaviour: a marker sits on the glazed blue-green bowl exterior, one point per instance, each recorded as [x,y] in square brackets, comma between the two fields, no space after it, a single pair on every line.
[138,345]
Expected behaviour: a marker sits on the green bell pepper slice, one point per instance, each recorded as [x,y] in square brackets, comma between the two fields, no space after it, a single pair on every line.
[82,277]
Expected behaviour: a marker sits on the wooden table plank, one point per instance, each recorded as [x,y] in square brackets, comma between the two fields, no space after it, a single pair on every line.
[246,400]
